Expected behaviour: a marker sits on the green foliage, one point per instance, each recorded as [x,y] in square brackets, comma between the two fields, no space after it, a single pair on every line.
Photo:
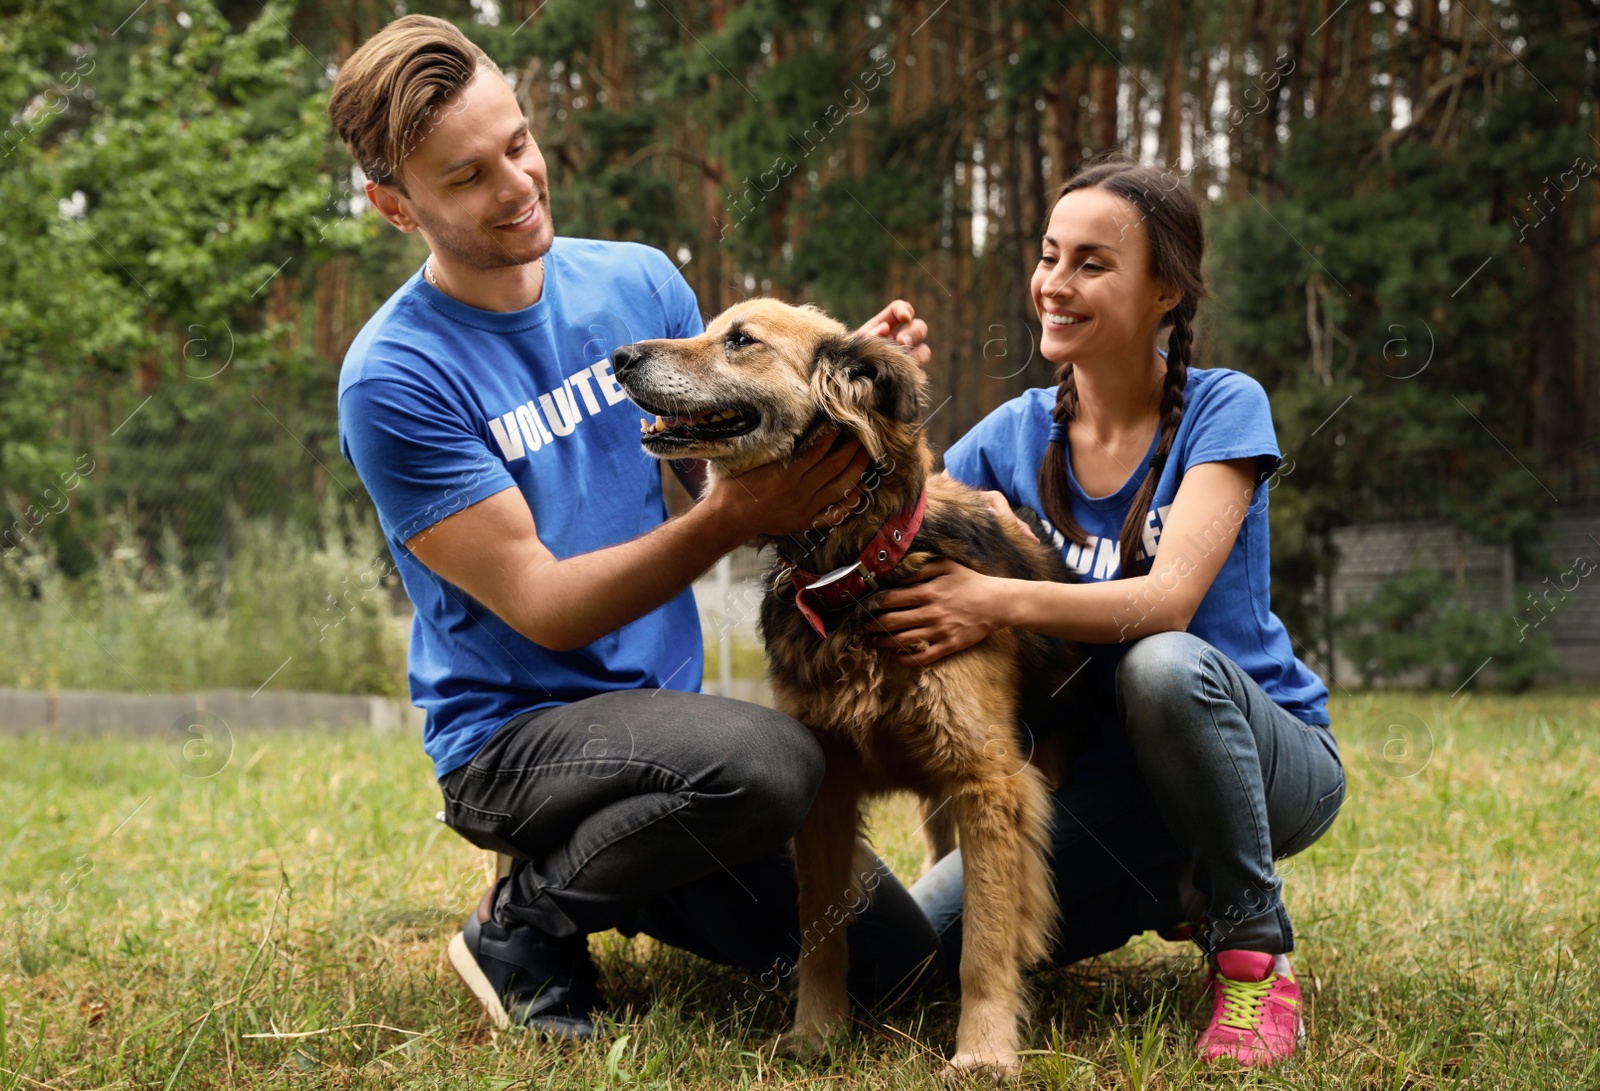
[184,258]
[308,613]
[1420,626]
[1412,406]
[186,204]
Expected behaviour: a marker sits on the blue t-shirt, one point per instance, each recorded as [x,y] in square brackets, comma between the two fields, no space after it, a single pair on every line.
[1226,416]
[442,405]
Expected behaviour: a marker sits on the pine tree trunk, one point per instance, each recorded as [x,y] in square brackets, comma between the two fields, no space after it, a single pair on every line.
[1303,21]
[1064,122]
[1589,367]
[1557,395]
[1266,121]
[1170,148]
[1233,33]
[1200,118]
[1355,82]
[1430,49]
[1104,81]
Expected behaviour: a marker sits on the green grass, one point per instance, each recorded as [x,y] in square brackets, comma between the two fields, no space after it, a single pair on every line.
[747,659]
[283,923]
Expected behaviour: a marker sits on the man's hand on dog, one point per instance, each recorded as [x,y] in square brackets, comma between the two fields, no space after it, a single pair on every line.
[779,499]
[949,607]
[899,322]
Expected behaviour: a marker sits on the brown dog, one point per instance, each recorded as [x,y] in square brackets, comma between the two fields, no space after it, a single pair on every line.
[757,386]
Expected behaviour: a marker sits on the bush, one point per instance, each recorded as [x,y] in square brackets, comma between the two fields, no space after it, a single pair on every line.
[309,611]
[1419,626]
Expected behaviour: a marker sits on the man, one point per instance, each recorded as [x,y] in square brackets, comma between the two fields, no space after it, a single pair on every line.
[556,646]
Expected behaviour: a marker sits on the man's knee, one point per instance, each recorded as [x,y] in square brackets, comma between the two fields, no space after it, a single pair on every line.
[778,773]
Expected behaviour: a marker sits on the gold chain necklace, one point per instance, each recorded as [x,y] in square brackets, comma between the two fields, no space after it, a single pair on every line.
[433,278]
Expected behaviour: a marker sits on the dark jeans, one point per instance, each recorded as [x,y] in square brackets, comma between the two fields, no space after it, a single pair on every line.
[670,813]
[1194,786]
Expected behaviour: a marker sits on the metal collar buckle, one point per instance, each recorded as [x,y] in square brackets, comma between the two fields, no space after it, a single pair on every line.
[844,572]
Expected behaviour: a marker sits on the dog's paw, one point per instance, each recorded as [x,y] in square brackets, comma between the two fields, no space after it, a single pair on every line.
[995,1067]
[804,1045]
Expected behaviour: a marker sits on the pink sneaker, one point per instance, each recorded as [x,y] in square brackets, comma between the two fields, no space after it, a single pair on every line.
[1256,1018]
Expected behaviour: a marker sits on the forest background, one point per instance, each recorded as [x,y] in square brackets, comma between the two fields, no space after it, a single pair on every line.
[1400,211]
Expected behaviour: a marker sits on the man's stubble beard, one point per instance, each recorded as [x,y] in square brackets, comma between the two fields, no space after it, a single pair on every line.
[472,249]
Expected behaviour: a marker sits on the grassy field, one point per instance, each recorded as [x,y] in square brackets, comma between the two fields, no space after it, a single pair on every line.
[283,922]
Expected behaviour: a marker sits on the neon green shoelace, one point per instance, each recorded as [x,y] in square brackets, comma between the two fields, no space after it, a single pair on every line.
[1242,1001]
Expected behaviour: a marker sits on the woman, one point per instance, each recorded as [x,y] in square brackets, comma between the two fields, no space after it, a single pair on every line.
[1213,756]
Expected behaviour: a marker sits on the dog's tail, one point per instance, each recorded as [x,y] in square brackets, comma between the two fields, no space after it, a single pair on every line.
[1036,894]
[1005,835]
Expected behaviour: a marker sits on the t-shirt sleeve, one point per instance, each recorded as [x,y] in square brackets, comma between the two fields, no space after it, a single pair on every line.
[419,460]
[682,308]
[1234,420]
[985,457]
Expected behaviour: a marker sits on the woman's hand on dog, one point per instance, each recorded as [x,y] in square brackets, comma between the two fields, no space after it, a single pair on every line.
[1003,512]
[779,499]
[899,322]
[948,608]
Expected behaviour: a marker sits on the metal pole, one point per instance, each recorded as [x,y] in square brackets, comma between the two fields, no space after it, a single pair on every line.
[725,636]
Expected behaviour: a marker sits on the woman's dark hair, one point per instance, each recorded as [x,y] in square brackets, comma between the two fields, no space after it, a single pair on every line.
[1177,245]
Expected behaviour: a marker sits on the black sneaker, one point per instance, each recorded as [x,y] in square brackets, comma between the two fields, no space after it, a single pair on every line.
[526,978]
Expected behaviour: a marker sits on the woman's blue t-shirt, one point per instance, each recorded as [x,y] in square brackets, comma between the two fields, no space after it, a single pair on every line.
[1226,416]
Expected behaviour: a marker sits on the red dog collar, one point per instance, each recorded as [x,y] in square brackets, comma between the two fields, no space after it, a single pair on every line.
[851,583]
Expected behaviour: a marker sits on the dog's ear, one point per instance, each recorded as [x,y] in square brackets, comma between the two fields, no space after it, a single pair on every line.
[868,375]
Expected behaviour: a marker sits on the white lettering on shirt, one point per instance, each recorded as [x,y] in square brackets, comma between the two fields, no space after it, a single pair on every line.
[1101,556]
[554,414]
[507,435]
[560,410]
[608,382]
[580,383]
[1105,558]
[1154,520]
[533,431]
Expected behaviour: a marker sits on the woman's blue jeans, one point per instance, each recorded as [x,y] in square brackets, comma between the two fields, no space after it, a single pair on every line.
[1194,784]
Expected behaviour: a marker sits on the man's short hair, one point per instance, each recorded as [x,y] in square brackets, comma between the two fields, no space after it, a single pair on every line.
[393,90]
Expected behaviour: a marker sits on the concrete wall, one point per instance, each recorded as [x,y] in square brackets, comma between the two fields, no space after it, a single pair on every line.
[193,714]
[1565,605]
[130,713]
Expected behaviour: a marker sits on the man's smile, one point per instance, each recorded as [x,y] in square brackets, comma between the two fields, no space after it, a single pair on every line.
[525,220]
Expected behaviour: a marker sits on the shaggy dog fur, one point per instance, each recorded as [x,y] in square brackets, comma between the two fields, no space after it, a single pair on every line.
[968,733]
